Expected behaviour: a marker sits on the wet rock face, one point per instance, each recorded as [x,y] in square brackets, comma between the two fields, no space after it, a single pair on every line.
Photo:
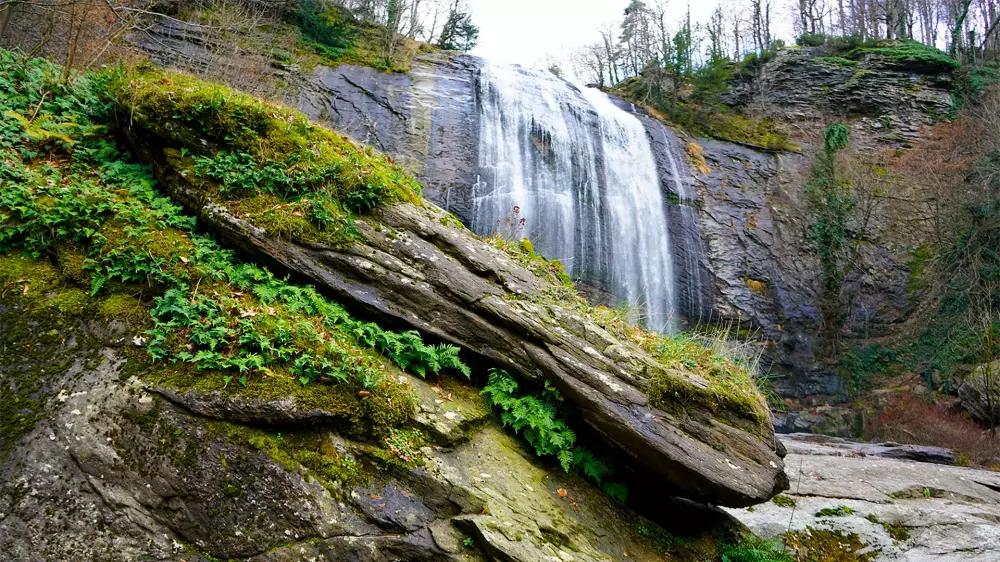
[427,118]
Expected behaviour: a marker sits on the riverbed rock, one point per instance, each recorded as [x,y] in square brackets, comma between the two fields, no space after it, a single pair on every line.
[901,509]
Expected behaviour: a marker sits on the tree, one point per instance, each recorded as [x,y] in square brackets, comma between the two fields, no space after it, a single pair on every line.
[458,33]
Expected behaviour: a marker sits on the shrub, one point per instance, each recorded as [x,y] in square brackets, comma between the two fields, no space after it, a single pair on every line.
[859,366]
[811,39]
[912,54]
[907,418]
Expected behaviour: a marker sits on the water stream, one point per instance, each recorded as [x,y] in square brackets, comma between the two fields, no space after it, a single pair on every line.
[582,173]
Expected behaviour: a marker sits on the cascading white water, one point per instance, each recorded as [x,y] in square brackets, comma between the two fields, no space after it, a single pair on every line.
[583,174]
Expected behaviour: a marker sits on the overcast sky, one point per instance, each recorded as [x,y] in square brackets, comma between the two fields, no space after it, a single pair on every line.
[530,32]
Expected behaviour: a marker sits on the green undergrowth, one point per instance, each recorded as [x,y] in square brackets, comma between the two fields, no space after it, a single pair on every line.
[744,548]
[523,252]
[538,420]
[913,54]
[266,162]
[849,50]
[727,383]
[339,38]
[782,500]
[70,198]
[824,545]
[706,117]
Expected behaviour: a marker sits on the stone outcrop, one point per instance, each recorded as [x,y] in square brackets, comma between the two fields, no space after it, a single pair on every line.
[980,393]
[891,100]
[120,467]
[900,509]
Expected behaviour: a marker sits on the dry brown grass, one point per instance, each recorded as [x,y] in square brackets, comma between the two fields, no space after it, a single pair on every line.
[910,418]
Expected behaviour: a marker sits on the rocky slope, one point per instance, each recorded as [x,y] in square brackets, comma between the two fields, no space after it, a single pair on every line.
[120,467]
[412,265]
[165,398]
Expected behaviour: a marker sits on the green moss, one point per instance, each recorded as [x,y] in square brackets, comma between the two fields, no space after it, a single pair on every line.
[267,147]
[37,317]
[837,61]
[913,54]
[897,531]
[296,219]
[72,261]
[782,500]
[122,307]
[838,511]
[27,276]
[700,114]
[69,301]
[822,545]
[523,252]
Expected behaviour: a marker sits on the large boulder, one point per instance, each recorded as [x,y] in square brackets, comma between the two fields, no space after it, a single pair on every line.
[414,265]
[118,462]
[980,393]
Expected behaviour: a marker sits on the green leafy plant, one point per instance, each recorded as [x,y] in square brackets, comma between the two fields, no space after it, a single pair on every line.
[753,549]
[536,418]
[208,310]
[830,202]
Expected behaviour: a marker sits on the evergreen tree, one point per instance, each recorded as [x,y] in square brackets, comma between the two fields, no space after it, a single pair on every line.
[458,33]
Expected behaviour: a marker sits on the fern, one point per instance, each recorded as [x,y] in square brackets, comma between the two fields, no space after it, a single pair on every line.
[537,420]
[63,185]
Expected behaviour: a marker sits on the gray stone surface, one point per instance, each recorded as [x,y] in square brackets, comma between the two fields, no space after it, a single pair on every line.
[113,472]
[949,513]
[894,101]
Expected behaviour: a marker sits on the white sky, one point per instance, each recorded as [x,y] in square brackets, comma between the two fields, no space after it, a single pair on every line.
[531,32]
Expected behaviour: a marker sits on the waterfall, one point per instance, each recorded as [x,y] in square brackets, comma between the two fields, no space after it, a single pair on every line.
[583,174]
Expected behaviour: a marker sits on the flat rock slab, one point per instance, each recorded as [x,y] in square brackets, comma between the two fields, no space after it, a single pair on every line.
[812,444]
[948,512]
